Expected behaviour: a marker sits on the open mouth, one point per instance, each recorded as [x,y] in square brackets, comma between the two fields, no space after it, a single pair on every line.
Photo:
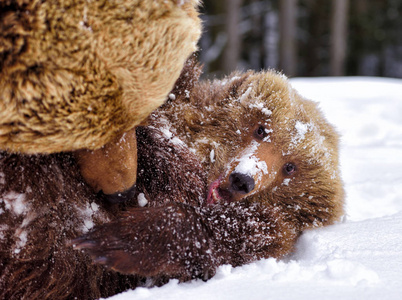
[217,194]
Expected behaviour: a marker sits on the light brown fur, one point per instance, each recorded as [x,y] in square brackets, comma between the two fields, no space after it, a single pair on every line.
[77,74]
[222,116]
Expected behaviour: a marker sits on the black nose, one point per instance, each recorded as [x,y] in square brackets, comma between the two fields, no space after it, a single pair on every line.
[241,183]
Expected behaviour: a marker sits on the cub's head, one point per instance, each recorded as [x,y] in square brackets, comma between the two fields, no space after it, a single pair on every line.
[264,143]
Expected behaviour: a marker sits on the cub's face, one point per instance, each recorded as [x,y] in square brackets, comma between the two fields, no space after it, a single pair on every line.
[285,153]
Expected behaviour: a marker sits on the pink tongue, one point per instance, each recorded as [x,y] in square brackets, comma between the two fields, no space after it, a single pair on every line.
[214,185]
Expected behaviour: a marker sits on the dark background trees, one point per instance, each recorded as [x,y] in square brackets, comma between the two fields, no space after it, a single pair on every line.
[303,37]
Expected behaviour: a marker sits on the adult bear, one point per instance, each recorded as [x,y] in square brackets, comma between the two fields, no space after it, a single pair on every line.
[77,75]
[76,78]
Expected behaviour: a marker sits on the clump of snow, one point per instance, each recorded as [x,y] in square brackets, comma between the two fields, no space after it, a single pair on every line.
[246,94]
[15,202]
[267,139]
[172,96]
[176,141]
[212,155]
[166,132]
[260,106]
[87,215]
[187,92]
[142,201]
[301,131]
[94,207]
[22,238]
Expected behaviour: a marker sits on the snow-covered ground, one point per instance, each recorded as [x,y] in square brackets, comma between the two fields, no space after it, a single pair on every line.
[360,258]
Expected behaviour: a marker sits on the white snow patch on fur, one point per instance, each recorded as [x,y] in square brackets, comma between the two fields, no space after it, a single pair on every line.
[166,132]
[212,155]
[301,130]
[142,201]
[176,141]
[249,164]
[87,215]
[15,202]
[260,106]
[22,238]
[245,95]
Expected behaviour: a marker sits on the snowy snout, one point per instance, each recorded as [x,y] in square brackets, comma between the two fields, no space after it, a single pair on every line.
[252,171]
[237,186]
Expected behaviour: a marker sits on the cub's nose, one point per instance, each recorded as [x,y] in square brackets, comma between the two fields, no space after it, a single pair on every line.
[241,183]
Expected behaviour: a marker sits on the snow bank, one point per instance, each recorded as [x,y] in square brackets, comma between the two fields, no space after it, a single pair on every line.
[360,258]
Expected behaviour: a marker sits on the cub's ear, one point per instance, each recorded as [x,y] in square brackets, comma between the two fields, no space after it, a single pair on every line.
[170,241]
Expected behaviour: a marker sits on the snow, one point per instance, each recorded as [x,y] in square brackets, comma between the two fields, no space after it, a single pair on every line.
[142,201]
[249,164]
[302,129]
[212,155]
[359,258]
[87,214]
[16,203]
[260,106]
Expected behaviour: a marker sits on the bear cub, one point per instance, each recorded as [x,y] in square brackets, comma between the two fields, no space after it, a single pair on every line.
[230,171]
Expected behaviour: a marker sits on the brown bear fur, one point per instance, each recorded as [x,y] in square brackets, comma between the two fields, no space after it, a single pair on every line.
[44,204]
[75,74]
[254,117]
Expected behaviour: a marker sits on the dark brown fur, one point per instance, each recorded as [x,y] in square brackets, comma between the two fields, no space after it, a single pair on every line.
[36,262]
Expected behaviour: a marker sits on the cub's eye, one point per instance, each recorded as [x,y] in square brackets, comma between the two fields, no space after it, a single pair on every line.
[260,132]
[289,168]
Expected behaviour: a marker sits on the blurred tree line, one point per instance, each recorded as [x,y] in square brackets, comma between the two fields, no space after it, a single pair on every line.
[303,37]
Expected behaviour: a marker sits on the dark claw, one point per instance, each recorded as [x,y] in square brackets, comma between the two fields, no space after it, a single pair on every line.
[100,260]
[81,243]
[119,197]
